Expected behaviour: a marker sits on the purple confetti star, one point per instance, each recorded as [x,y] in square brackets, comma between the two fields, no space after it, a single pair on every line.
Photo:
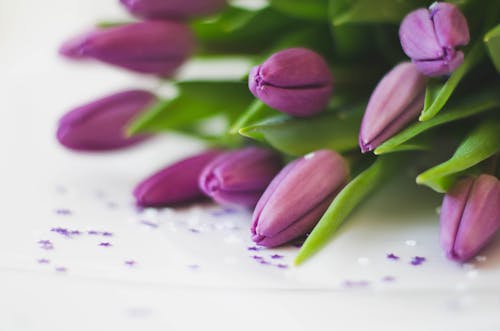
[106,234]
[61,269]
[105,244]
[358,283]
[388,279]
[43,261]
[63,211]
[46,244]
[92,232]
[392,256]
[253,248]
[130,263]
[194,230]
[276,256]
[257,257]
[264,262]
[282,266]
[417,260]
[148,223]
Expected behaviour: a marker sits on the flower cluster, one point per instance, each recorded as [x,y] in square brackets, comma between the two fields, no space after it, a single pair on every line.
[296,111]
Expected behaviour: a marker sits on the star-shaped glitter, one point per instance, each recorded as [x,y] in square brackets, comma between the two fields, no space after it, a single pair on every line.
[392,256]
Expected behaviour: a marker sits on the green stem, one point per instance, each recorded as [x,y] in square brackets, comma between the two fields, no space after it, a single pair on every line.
[255,108]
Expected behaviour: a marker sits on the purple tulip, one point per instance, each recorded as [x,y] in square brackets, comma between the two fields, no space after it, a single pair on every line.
[240,177]
[430,38]
[397,99]
[151,47]
[177,183]
[99,125]
[296,81]
[297,198]
[172,9]
[470,216]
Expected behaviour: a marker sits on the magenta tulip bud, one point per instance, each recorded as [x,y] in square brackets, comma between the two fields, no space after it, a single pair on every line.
[240,177]
[297,198]
[430,38]
[397,99]
[470,216]
[172,9]
[100,125]
[175,184]
[150,47]
[296,81]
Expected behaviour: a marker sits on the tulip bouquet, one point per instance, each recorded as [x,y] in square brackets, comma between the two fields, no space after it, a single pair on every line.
[343,94]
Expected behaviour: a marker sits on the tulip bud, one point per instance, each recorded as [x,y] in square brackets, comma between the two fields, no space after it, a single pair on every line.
[470,216]
[297,198]
[397,99]
[177,183]
[99,125]
[430,38]
[172,9]
[151,47]
[296,81]
[240,177]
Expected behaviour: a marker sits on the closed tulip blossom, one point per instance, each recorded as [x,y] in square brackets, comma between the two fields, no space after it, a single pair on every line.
[397,99]
[297,198]
[470,216]
[177,183]
[100,125]
[240,177]
[296,81]
[430,37]
[172,9]
[150,47]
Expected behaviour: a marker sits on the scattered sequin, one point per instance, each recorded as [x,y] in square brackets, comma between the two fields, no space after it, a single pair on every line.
[388,279]
[46,244]
[264,262]
[61,269]
[357,283]
[130,263]
[63,211]
[417,260]
[282,266]
[253,248]
[257,257]
[194,230]
[276,256]
[392,256]
[43,261]
[149,223]
[105,244]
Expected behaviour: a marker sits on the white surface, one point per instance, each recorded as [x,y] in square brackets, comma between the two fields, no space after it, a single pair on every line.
[193,268]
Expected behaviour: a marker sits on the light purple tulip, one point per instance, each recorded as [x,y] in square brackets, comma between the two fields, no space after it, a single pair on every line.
[430,38]
[296,81]
[470,216]
[297,198]
[240,177]
[172,9]
[150,47]
[397,99]
[99,125]
[175,184]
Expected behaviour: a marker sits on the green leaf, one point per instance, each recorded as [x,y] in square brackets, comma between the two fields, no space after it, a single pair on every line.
[257,111]
[310,9]
[238,30]
[344,203]
[470,106]
[437,96]
[299,136]
[369,11]
[479,145]
[196,100]
[492,40]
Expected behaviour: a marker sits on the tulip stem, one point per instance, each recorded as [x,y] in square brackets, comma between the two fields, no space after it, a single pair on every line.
[256,108]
